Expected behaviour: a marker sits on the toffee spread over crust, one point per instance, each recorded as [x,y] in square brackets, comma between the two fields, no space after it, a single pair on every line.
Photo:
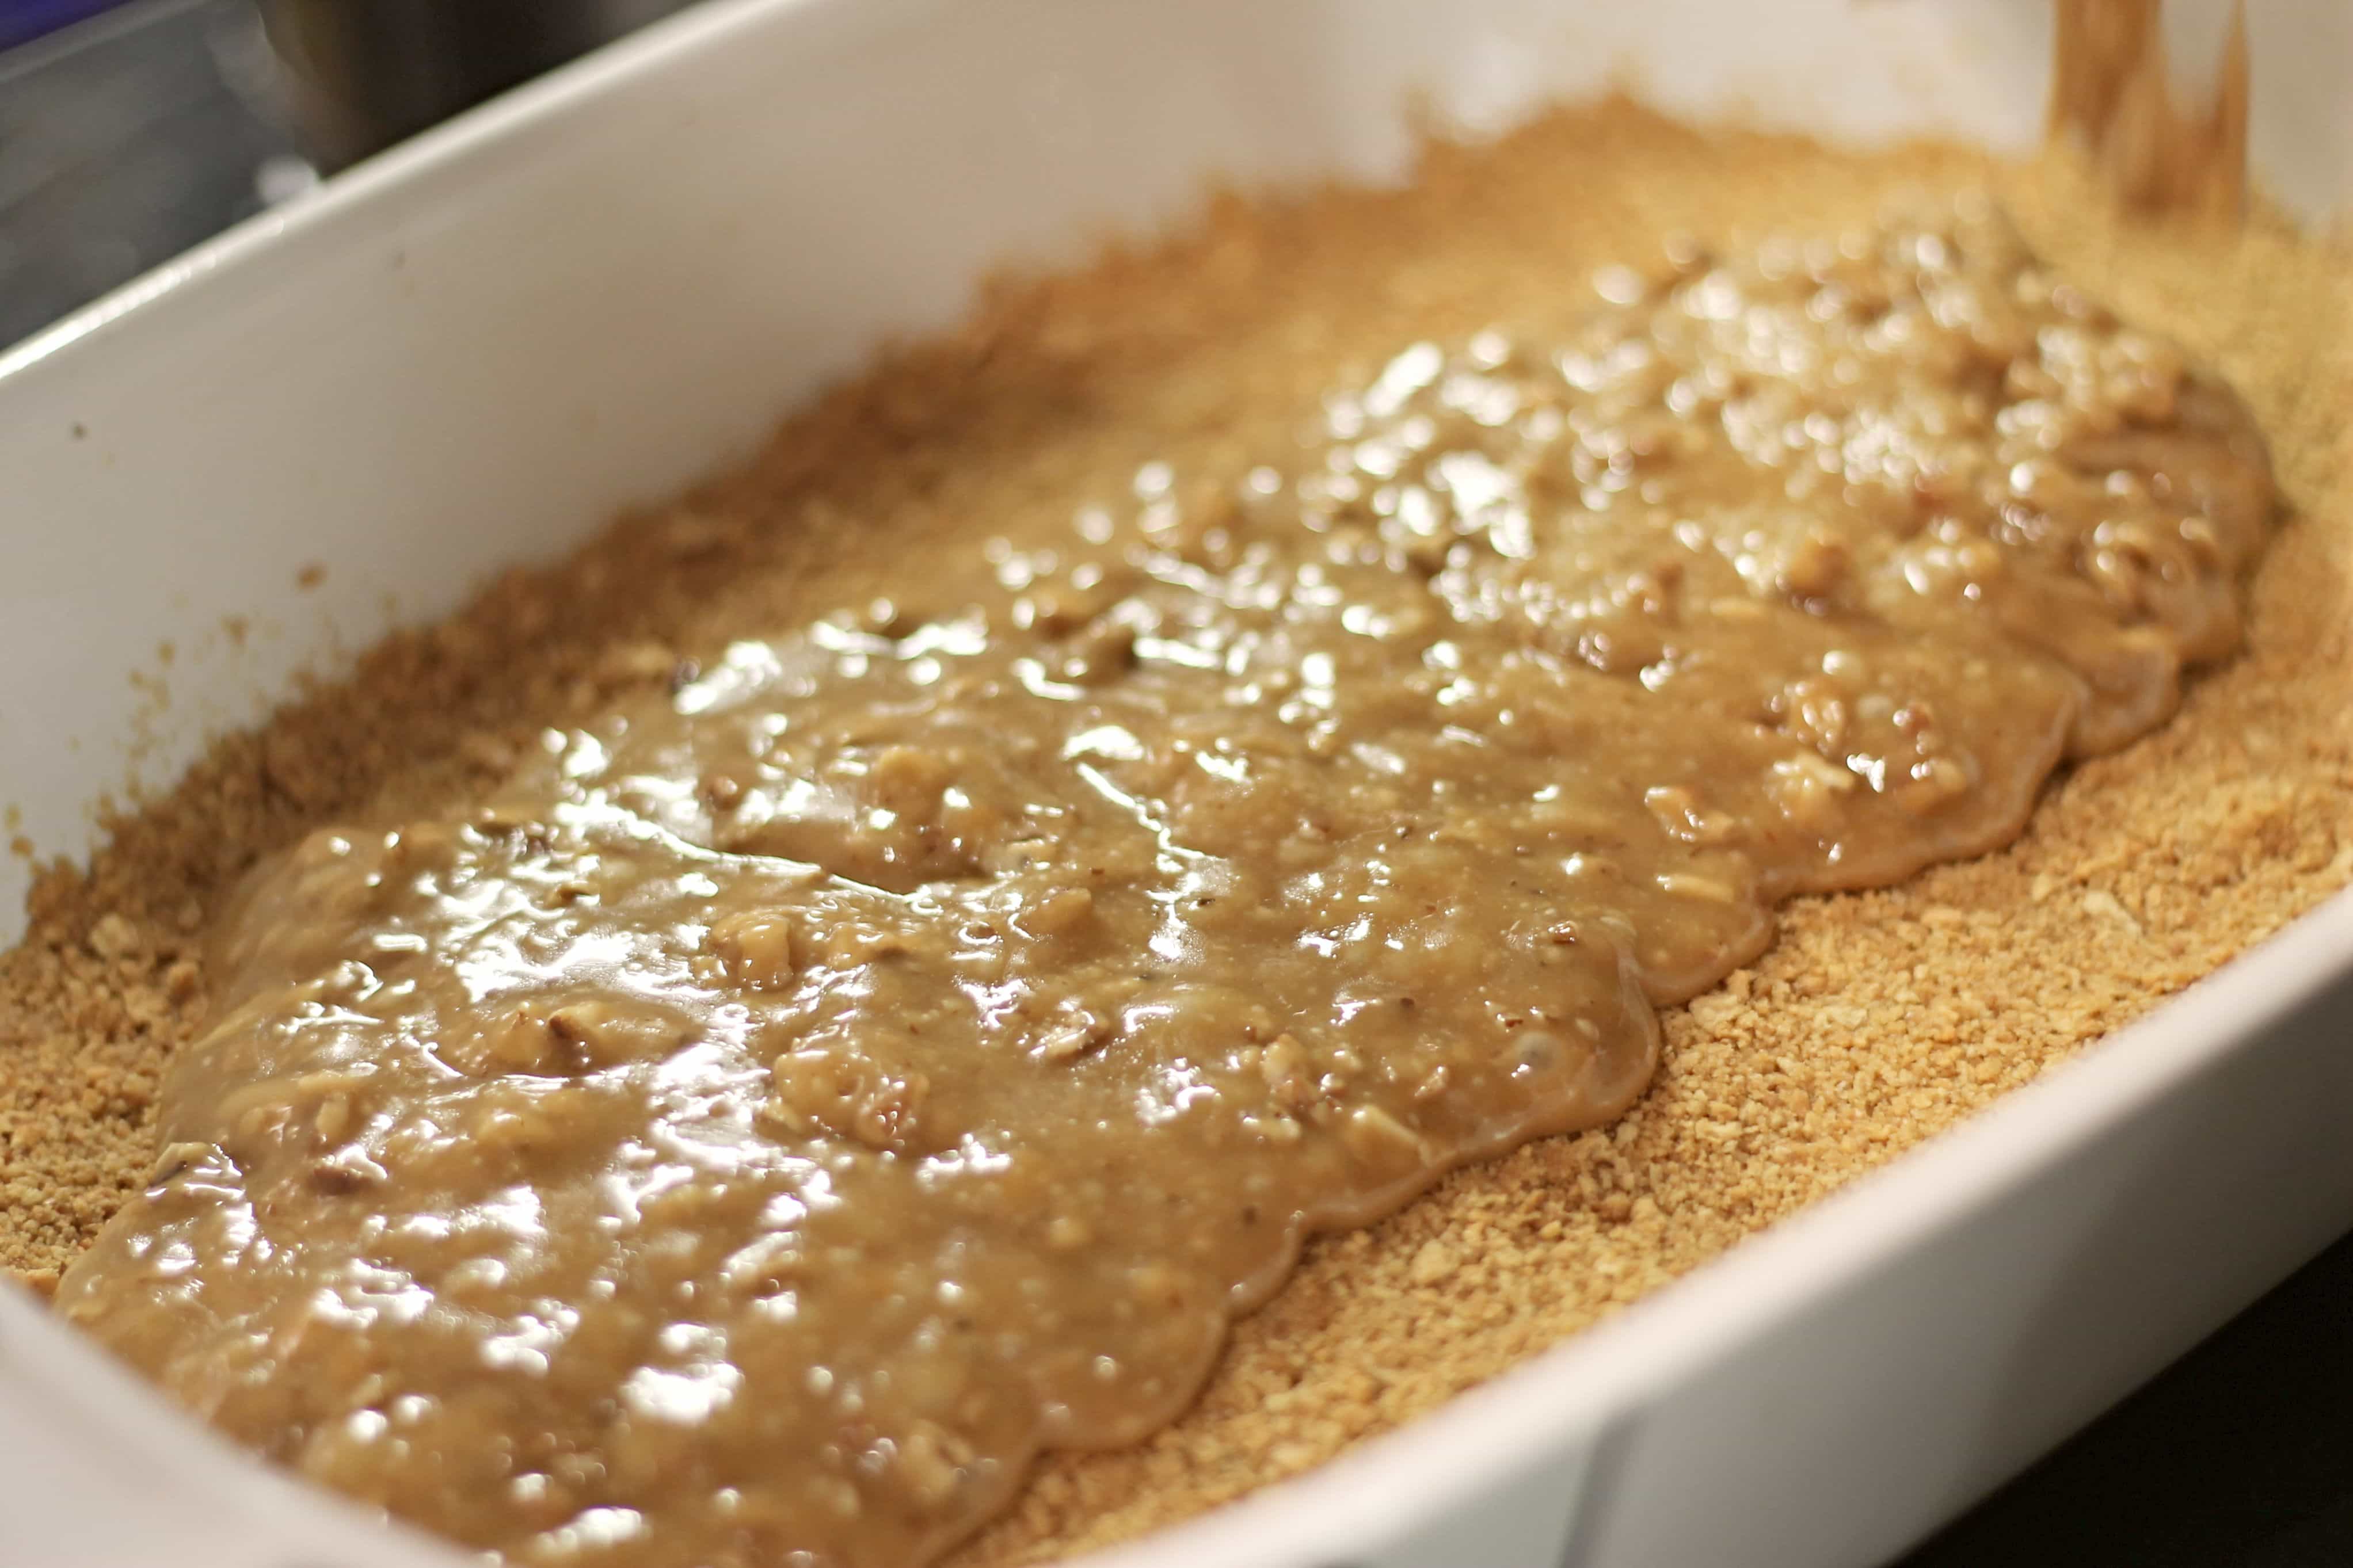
[1590,1221]
[797,1096]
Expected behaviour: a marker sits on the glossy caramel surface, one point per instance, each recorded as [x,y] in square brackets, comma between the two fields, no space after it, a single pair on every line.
[802,1093]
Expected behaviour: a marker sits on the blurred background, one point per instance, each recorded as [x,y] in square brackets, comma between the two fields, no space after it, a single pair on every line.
[130,132]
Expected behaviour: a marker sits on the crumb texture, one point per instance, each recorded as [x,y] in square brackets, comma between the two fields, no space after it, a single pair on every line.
[1876,1019]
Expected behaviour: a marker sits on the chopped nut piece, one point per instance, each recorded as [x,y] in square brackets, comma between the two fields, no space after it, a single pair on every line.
[1679,811]
[816,1091]
[933,1460]
[1058,914]
[1816,567]
[1375,1136]
[1286,1070]
[606,1035]
[758,950]
[1691,885]
[1070,1037]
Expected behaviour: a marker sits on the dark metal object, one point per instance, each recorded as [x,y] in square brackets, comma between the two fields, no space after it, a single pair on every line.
[361,74]
[121,145]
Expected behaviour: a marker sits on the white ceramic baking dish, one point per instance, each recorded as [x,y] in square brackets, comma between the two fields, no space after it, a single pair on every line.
[475,349]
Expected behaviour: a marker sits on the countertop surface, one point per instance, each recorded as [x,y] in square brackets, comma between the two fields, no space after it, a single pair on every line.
[130,139]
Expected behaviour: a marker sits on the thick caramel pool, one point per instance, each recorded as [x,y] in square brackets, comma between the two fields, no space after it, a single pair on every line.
[800,1096]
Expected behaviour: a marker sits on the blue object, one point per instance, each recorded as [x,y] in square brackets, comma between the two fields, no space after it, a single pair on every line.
[23,20]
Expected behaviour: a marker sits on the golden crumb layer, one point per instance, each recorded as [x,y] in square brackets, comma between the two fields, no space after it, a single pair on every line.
[1876,1020]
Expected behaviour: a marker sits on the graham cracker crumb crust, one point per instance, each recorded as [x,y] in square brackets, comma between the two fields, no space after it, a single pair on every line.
[1876,1020]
